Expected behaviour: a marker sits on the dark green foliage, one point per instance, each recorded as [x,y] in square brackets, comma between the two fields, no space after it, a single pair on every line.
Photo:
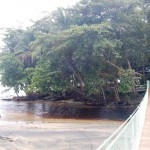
[12,74]
[84,49]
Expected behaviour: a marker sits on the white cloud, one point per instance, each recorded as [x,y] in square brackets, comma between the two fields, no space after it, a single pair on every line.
[19,12]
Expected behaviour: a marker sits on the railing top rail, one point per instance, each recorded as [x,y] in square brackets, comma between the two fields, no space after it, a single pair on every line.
[115,134]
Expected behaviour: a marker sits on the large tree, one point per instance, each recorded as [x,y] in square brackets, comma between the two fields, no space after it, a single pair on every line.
[84,49]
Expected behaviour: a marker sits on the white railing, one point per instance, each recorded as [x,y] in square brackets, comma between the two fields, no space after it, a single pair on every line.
[128,135]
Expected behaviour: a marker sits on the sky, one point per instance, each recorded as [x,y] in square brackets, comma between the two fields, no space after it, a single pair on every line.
[18,13]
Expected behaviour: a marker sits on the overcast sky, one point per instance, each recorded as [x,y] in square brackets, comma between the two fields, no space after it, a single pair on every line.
[18,13]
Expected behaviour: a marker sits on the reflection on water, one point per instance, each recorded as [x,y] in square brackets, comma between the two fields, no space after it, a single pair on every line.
[42,109]
[37,110]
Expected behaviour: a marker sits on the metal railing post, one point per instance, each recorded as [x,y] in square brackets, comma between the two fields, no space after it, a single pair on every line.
[148,84]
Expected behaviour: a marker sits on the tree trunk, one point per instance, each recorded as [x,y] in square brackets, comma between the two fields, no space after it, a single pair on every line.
[129,64]
[104,97]
[63,93]
[133,88]
[116,94]
[17,94]
[75,70]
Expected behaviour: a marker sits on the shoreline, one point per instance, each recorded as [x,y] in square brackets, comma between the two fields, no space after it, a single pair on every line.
[72,102]
[46,110]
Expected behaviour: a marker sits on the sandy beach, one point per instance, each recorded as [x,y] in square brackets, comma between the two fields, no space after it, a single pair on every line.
[21,130]
[55,134]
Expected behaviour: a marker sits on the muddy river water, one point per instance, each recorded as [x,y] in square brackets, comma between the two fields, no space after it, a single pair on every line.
[39,110]
[38,125]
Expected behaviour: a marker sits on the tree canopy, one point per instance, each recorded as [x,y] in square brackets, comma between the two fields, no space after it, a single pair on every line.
[92,48]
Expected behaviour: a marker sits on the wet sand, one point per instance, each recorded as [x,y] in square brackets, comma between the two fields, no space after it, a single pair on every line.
[26,130]
[55,134]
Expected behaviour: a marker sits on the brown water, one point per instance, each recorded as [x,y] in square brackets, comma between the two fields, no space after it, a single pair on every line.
[44,110]
[52,125]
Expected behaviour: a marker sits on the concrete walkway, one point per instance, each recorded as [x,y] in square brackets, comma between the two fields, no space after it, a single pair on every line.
[145,139]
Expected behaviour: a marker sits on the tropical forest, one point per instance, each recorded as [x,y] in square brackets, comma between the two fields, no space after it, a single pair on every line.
[90,52]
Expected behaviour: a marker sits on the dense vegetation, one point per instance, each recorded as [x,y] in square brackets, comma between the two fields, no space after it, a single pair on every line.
[94,49]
